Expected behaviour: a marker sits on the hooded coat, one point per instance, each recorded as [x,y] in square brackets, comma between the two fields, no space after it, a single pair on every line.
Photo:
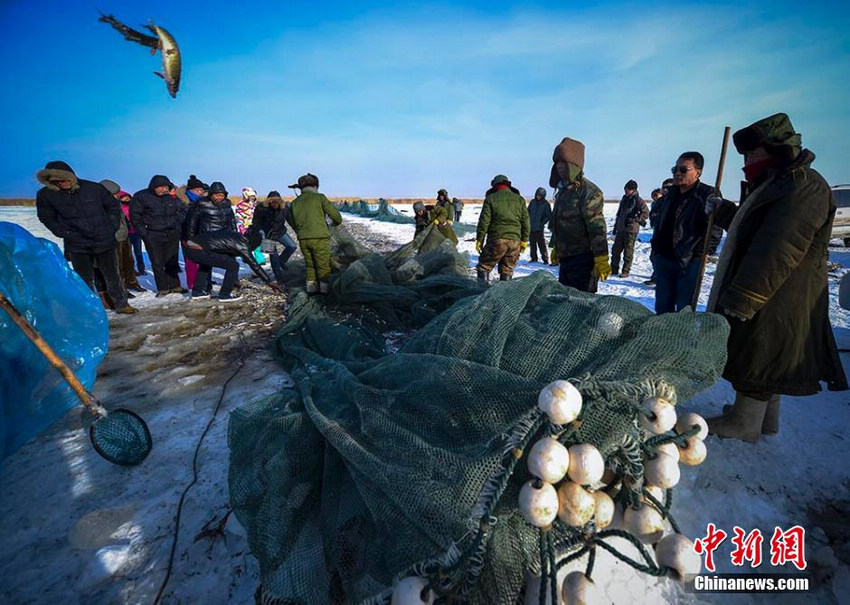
[158,213]
[86,216]
[772,270]
[539,210]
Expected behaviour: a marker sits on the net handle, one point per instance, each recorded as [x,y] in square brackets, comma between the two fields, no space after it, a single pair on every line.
[706,244]
[89,400]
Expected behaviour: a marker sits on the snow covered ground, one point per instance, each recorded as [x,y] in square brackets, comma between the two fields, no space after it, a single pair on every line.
[79,530]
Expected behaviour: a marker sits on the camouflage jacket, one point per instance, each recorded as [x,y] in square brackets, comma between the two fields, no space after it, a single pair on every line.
[307,215]
[578,222]
[503,216]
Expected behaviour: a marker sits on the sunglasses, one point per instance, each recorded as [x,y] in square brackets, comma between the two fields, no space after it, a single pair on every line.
[680,169]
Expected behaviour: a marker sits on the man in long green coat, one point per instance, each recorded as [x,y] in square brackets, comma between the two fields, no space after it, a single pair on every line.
[504,221]
[307,216]
[771,280]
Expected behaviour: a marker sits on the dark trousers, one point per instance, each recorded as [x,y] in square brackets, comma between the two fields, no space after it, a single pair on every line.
[206,261]
[652,260]
[136,241]
[163,250]
[538,241]
[125,264]
[84,264]
[576,271]
[674,284]
[624,243]
[279,260]
[457,215]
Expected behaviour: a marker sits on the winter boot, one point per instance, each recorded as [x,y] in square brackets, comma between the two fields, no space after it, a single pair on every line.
[742,421]
[770,424]
[483,277]
[505,277]
[323,287]
[312,287]
[106,301]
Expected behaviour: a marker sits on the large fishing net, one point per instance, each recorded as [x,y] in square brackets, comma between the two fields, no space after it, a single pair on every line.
[400,454]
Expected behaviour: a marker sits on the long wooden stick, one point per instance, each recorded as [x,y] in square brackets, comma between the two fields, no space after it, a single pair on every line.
[707,242]
[87,398]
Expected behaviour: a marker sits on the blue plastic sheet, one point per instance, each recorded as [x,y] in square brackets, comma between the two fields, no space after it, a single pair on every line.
[69,316]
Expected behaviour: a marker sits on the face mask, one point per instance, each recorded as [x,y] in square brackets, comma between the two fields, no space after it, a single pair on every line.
[574,172]
[753,171]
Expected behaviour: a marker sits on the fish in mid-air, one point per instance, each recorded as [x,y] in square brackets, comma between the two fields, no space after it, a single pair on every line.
[162,41]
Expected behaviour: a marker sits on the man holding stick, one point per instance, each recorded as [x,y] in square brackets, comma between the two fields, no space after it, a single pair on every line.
[771,280]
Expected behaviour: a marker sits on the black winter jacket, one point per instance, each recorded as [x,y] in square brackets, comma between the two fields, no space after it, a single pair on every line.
[681,237]
[539,213]
[206,215]
[86,218]
[631,214]
[150,212]
[230,243]
[271,221]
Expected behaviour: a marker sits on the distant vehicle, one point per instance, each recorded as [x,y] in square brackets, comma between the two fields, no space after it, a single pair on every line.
[841,224]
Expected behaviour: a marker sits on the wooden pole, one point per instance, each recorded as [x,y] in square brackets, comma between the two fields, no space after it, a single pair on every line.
[707,241]
[87,398]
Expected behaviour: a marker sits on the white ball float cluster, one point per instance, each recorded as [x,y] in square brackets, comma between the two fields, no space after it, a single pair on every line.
[409,591]
[560,401]
[694,452]
[610,324]
[677,552]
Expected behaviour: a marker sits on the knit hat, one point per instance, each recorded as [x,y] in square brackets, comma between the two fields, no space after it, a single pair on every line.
[306,180]
[217,187]
[195,183]
[631,184]
[111,186]
[248,192]
[775,133]
[123,193]
[570,151]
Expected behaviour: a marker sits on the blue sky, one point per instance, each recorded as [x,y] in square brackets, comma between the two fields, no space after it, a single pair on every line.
[399,100]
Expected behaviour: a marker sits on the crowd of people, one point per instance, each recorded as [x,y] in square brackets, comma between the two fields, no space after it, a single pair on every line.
[770,282]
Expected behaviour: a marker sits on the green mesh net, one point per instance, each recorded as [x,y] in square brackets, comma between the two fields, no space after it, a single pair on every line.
[121,437]
[398,452]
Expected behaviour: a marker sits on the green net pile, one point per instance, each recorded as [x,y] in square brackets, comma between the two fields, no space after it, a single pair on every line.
[382,211]
[393,457]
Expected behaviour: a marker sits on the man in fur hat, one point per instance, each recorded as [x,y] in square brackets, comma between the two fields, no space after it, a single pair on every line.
[771,280]
[578,223]
[86,216]
[504,222]
[307,215]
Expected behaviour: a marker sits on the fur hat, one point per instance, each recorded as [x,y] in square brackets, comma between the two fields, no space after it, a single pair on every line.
[500,179]
[57,171]
[540,191]
[306,180]
[632,184]
[570,151]
[418,206]
[775,133]
[111,186]
[195,183]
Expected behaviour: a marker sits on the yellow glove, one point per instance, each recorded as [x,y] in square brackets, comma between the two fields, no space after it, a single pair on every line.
[601,266]
[479,246]
[436,222]
[523,246]
[553,255]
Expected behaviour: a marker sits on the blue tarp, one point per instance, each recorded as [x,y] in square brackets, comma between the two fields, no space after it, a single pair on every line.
[69,316]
